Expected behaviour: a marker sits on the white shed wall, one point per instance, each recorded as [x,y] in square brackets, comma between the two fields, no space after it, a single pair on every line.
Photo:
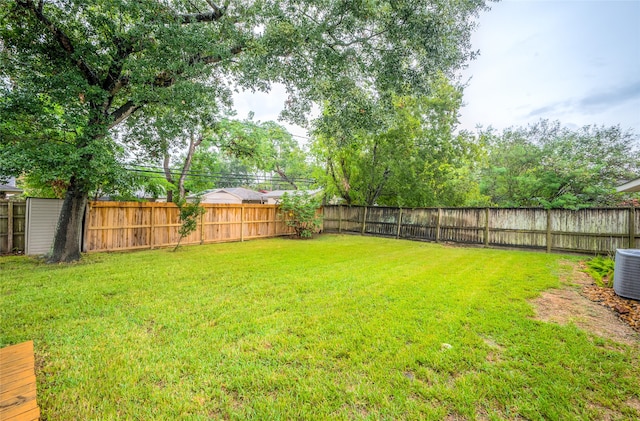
[42,220]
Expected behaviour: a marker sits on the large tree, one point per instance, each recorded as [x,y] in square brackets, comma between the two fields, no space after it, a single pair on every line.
[406,153]
[98,62]
[553,166]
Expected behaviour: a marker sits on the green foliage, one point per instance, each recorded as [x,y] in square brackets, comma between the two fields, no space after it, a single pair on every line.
[403,151]
[300,211]
[189,214]
[72,72]
[552,166]
[311,330]
[601,269]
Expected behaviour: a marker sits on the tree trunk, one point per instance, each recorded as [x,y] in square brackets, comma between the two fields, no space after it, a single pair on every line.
[66,244]
[167,175]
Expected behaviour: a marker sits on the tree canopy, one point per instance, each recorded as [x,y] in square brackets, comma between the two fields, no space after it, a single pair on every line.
[74,70]
[405,154]
[549,165]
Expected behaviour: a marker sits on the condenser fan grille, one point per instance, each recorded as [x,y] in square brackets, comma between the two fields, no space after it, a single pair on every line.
[626,277]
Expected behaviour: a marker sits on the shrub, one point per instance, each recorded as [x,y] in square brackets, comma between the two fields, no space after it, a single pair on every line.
[300,213]
[601,269]
[189,214]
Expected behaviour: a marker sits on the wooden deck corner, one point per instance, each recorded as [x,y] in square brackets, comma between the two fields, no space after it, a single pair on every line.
[18,383]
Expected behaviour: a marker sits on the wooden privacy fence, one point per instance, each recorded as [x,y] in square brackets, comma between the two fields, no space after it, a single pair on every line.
[131,225]
[12,226]
[597,230]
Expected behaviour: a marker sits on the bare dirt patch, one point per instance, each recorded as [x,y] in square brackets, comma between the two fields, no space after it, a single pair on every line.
[570,304]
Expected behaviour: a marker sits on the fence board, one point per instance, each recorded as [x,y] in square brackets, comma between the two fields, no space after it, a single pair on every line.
[598,230]
[131,225]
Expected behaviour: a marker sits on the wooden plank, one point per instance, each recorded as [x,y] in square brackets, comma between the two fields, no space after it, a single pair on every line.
[23,349]
[15,376]
[27,410]
[364,220]
[26,377]
[632,227]
[10,360]
[487,226]
[242,223]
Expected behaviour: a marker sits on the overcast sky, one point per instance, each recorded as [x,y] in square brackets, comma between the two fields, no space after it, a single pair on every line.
[577,61]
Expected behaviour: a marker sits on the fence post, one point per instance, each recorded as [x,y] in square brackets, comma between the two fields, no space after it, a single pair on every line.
[399,223]
[486,227]
[364,220]
[9,227]
[241,223]
[632,227]
[340,219]
[548,230]
[438,225]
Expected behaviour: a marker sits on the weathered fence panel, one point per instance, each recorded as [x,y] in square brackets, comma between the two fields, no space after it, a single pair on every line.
[463,225]
[348,219]
[596,231]
[592,230]
[130,225]
[419,224]
[518,227]
[382,221]
[334,221]
[12,226]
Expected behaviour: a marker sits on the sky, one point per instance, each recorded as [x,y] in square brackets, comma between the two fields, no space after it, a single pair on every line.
[576,61]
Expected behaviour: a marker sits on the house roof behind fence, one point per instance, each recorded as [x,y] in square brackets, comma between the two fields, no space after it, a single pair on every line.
[240,192]
[631,186]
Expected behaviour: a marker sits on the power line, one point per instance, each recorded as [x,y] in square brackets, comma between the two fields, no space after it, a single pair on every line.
[226,176]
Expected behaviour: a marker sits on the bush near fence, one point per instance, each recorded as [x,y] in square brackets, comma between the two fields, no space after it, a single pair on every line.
[594,230]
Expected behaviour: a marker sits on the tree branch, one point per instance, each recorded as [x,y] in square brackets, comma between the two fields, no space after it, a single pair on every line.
[115,70]
[124,111]
[284,176]
[63,39]
[234,51]
[213,16]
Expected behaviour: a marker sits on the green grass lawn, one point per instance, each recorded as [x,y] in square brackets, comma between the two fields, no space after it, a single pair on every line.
[341,327]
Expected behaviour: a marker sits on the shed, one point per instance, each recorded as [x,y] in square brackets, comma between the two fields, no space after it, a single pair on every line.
[42,220]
